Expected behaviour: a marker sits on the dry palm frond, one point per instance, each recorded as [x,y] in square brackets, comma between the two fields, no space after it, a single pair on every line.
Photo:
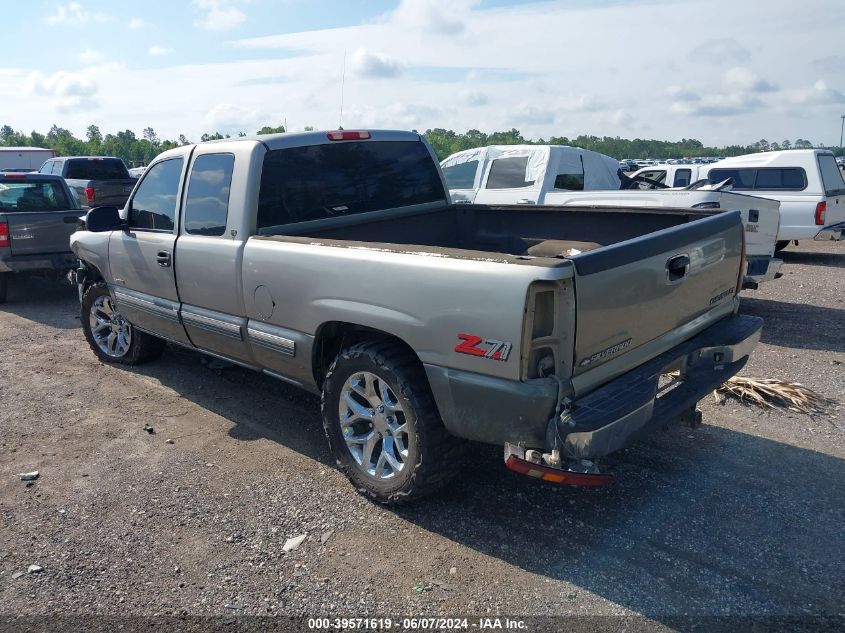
[773,394]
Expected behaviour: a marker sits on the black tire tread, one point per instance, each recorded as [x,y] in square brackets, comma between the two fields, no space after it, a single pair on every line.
[440,454]
[144,347]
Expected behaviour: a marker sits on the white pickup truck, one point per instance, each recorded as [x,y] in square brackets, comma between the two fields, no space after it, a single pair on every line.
[808,184]
[558,175]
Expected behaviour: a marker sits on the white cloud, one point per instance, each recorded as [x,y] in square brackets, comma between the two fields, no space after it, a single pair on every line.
[157,51]
[441,17]
[136,23]
[367,64]
[473,98]
[75,14]
[228,118]
[739,78]
[67,91]
[530,114]
[218,15]
[723,51]
[90,56]
[820,94]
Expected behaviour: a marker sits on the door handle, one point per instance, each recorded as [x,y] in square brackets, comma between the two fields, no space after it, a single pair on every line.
[163,258]
[676,268]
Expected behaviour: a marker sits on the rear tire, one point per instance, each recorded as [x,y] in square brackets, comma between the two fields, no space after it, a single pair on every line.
[4,286]
[780,245]
[379,390]
[112,338]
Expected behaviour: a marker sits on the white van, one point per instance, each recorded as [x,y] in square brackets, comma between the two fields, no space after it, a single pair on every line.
[807,182]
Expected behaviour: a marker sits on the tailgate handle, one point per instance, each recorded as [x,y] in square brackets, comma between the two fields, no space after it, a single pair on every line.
[676,268]
[163,258]
[70,219]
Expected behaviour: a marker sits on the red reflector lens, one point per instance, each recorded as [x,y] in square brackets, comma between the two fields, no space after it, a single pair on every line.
[555,475]
[89,194]
[348,135]
[14,176]
[4,234]
[821,207]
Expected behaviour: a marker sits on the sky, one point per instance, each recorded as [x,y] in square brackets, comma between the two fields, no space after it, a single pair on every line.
[722,71]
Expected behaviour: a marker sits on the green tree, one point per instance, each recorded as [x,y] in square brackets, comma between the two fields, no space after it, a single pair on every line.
[272,130]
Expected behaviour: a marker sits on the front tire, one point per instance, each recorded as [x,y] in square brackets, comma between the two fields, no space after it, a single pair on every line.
[112,338]
[383,426]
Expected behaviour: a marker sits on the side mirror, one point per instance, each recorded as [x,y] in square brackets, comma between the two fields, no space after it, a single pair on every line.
[102,219]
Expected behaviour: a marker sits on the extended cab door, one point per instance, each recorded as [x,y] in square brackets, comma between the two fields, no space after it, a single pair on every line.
[141,257]
[507,181]
[210,249]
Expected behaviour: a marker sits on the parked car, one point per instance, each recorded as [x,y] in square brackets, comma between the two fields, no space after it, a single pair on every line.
[335,261]
[38,214]
[23,158]
[558,174]
[96,180]
[807,183]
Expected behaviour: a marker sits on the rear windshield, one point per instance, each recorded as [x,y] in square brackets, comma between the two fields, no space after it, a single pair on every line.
[831,176]
[32,196]
[101,169]
[764,178]
[339,179]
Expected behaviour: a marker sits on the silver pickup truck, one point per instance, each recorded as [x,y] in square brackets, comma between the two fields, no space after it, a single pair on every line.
[335,261]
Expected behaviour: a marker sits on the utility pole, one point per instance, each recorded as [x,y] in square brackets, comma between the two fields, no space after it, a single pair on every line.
[841,129]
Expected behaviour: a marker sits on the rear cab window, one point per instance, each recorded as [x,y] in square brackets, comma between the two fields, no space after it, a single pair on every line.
[683,177]
[831,176]
[32,195]
[96,169]
[337,179]
[508,173]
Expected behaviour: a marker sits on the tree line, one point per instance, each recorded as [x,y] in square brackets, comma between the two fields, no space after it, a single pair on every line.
[141,150]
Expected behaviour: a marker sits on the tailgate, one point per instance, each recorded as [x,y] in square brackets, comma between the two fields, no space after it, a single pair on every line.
[635,292]
[41,232]
[109,193]
[761,217]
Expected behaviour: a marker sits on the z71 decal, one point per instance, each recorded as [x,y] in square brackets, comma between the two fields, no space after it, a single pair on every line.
[483,347]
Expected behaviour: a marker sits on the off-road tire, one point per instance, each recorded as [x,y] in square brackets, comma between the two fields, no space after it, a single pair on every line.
[143,346]
[4,286]
[434,456]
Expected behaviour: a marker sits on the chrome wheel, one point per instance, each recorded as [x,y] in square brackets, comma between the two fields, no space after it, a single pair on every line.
[111,332]
[374,425]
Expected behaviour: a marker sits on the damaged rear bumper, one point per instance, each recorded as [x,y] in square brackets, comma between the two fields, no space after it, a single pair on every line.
[612,416]
[499,411]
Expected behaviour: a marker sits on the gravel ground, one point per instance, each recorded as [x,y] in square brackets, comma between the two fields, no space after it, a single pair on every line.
[742,516]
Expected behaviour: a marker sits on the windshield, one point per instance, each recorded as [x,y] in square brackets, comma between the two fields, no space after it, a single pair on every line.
[32,196]
[338,179]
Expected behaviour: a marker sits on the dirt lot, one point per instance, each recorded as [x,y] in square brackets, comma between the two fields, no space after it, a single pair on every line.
[743,516]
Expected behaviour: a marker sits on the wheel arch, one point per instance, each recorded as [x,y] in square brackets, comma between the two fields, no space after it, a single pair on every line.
[333,336]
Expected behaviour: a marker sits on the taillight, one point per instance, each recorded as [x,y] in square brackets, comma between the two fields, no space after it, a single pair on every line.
[348,135]
[821,207]
[556,475]
[743,266]
[4,234]
[89,194]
